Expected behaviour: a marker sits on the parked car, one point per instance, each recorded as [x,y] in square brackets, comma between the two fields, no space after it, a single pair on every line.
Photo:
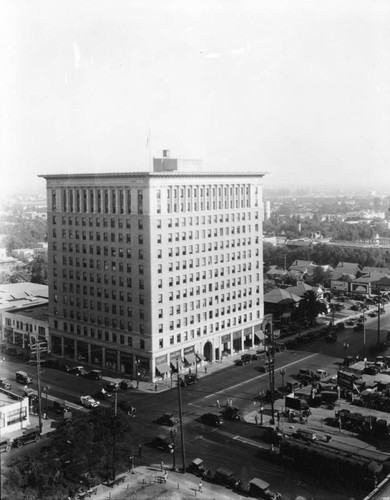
[225,477]
[89,402]
[244,360]
[5,445]
[28,436]
[211,419]
[78,371]
[61,406]
[197,468]
[94,375]
[189,378]
[112,387]
[5,384]
[167,419]
[126,384]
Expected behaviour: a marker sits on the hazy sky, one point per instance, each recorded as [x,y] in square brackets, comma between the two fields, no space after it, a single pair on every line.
[299,89]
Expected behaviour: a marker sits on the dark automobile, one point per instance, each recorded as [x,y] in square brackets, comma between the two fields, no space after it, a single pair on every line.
[162,443]
[28,436]
[111,387]
[94,375]
[4,384]
[127,407]
[167,419]
[197,468]
[126,384]
[102,395]
[225,477]
[78,371]
[5,445]
[332,337]
[233,413]
[245,359]
[212,419]
[61,407]
[189,378]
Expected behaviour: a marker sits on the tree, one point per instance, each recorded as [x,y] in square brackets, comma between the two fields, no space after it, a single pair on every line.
[310,306]
[321,277]
[38,269]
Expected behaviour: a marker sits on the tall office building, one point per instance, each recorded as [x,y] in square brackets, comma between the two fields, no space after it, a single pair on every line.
[154,268]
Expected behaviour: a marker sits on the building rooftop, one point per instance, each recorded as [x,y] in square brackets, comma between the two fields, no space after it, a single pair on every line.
[131,175]
[37,313]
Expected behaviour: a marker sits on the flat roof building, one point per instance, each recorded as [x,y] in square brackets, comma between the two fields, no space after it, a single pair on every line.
[153,268]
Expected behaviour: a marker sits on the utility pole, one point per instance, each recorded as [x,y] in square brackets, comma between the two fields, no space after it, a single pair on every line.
[183,455]
[271,370]
[364,332]
[379,317]
[114,436]
[37,347]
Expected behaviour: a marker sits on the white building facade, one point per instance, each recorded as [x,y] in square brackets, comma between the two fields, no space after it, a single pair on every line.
[150,269]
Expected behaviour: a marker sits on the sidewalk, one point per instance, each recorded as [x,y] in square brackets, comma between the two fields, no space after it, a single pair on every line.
[143,485]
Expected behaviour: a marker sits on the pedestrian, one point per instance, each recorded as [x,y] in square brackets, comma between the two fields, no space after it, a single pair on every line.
[218,405]
[205,369]
[256,419]
[200,486]
[165,476]
[162,465]
[140,451]
[155,386]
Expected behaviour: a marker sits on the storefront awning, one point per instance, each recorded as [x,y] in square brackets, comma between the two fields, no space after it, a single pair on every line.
[201,357]
[190,358]
[162,369]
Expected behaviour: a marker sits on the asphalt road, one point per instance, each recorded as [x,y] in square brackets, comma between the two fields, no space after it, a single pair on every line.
[234,446]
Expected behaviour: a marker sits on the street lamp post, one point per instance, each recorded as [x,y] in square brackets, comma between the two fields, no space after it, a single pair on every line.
[282,372]
[379,317]
[183,456]
[137,372]
[346,347]
[196,364]
[173,447]
[46,390]
[364,331]
[261,414]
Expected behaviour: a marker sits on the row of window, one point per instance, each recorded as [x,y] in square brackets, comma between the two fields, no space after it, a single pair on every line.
[187,221]
[95,200]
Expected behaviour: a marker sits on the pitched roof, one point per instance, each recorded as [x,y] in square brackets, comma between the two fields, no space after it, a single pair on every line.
[300,289]
[280,296]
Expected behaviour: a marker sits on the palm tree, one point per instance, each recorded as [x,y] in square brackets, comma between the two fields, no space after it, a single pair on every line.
[310,306]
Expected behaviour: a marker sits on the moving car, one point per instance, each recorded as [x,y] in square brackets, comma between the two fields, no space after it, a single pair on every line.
[167,419]
[126,384]
[162,443]
[23,378]
[111,387]
[102,395]
[189,378]
[89,402]
[28,436]
[212,419]
[233,413]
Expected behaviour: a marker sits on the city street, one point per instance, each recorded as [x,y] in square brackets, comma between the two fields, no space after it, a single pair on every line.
[234,445]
